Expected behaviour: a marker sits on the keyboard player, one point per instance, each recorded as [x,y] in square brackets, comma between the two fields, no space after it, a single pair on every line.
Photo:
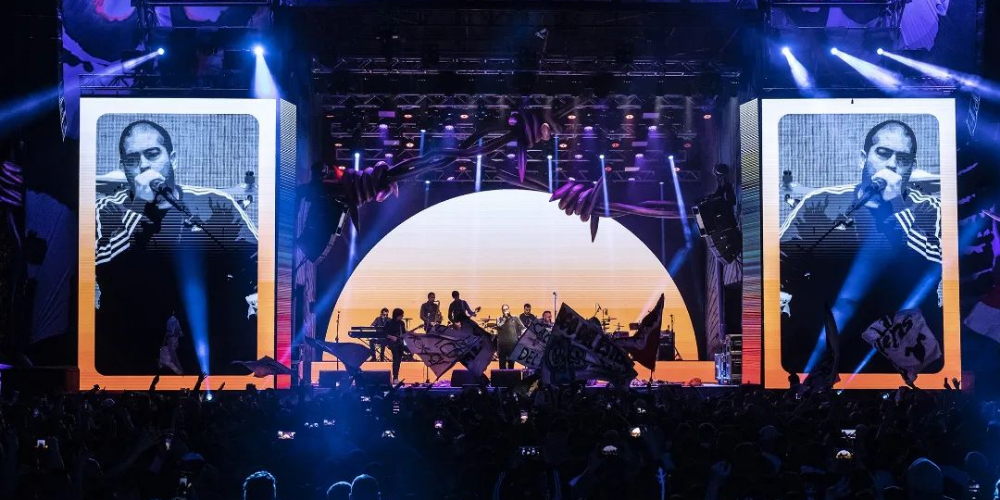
[380,322]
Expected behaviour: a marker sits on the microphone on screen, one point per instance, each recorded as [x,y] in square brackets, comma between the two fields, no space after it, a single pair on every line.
[160,188]
[875,188]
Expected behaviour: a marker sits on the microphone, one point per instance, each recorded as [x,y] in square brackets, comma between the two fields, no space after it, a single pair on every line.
[875,188]
[159,187]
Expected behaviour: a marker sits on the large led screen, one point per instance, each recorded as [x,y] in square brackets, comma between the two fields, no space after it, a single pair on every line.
[859,219]
[177,239]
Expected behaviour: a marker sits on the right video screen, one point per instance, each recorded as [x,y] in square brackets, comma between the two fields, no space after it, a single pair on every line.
[859,240]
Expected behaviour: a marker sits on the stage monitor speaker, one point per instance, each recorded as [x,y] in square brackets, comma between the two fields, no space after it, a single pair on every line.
[462,378]
[330,378]
[374,378]
[505,378]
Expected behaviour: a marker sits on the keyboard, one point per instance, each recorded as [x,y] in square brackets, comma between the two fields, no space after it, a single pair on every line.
[365,332]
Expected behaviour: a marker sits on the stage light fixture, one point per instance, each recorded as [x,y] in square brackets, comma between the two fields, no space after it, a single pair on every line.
[449,127]
[409,144]
[677,169]
[615,144]
[834,51]
[407,116]
[463,116]
[785,51]
[578,156]
[258,50]
[629,116]
[639,155]
[383,126]
[671,157]
[462,168]
[571,117]
[707,116]
[607,169]
[161,51]
[652,128]
[563,145]
[600,156]
[427,183]
[341,167]
[338,144]
[880,51]
[510,156]
[688,144]
[388,155]
[588,128]
[550,157]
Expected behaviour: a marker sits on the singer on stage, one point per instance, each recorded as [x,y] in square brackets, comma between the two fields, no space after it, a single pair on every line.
[163,247]
[867,250]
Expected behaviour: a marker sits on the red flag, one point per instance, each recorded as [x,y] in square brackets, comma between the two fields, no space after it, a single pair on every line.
[645,344]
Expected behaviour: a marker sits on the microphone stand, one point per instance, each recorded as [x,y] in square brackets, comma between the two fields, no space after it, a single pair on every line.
[189,217]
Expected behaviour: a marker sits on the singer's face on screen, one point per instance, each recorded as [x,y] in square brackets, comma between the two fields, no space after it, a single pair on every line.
[891,149]
[144,150]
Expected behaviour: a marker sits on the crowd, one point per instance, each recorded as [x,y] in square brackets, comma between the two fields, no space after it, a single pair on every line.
[555,443]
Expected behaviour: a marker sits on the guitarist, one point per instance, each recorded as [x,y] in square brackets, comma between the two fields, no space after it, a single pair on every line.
[459,311]
[394,330]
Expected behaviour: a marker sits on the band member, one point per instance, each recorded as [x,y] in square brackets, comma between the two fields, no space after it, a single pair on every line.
[380,322]
[526,317]
[430,312]
[459,310]
[509,328]
[546,320]
[394,330]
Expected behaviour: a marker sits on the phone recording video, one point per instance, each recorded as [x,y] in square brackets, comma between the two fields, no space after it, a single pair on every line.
[524,416]
[636,432]
[286,434]
[439,424]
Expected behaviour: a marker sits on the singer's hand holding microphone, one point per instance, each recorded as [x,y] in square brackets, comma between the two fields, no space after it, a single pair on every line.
[147,184]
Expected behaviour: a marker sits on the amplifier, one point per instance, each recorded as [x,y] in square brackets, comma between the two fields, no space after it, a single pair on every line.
[734,343]
[374,378]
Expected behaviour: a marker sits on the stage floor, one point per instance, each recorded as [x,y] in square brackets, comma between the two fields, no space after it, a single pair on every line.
[412,372]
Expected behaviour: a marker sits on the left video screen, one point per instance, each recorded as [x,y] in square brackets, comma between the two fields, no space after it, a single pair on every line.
[176,239]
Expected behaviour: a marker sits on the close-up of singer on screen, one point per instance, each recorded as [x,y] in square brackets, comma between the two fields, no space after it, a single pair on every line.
[159,243]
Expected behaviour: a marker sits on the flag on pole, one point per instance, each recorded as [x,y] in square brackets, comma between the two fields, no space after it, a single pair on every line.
[265,366]
[530,347]
[444,346]
[826,372]
[352,354]
[906,340]
[579,349]
[645,344]
[984,318]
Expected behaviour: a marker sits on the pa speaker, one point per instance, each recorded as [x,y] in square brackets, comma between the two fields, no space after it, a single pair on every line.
[505,378]
[717,221]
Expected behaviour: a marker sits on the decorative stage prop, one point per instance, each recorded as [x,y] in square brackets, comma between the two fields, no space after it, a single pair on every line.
[527,128]
[857,212]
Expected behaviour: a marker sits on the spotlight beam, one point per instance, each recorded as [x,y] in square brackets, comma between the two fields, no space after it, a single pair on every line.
[799,72]
[987,88]
[877,75]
